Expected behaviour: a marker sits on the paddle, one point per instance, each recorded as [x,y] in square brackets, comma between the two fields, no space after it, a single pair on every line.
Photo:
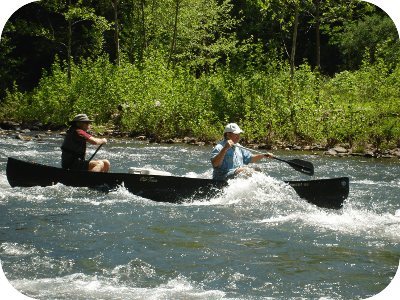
[95,152]
[299,165]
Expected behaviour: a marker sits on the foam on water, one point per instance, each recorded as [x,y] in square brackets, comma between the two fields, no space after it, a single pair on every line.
[355,223]
[81,286]
[277,200]
[258,190]
[253,239]
[352,220]
[35,195]
[135,280]
[15,249]
[122,195]
[280,204]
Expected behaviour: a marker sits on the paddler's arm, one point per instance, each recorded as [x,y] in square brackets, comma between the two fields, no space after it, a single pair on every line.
[96,141]
[257,157]
[219,158]
[91,140]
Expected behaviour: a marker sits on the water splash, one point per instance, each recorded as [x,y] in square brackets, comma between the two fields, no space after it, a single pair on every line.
[81,286]
[277,203]
[15,249]
[255,191]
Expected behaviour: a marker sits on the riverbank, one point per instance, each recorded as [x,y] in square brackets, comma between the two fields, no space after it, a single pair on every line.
[39,131]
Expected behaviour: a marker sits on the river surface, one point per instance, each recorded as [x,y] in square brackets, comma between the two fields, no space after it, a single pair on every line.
[257,240]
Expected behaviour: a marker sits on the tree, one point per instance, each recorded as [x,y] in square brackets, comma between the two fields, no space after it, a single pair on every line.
[173,42]
[332,16]
[286,13]
[143,35]
[114,6]
[317,34]
[368,35]
[206,33]
[295,27]
[56,21]
[9,65]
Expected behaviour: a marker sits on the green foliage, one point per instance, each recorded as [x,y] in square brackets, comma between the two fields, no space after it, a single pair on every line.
[353,107]
[367,103]
[376,35]
[15,105]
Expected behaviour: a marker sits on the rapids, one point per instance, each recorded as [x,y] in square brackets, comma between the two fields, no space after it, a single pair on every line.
[257,240]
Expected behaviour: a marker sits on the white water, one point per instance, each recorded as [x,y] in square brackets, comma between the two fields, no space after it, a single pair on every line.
[257,240]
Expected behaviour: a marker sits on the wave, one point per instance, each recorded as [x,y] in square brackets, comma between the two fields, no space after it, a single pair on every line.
[351,221]
[368,182]
[258,191]
[15,249]
[277,203]
[274,201]
[82,286]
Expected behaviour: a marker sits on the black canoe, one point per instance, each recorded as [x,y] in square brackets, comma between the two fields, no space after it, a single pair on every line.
[328,193]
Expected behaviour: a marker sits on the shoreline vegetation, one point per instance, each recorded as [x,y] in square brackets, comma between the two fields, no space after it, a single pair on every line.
[358,111]
[37,131]
[313,75]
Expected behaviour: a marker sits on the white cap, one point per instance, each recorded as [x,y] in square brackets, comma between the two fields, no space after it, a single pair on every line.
[233,127]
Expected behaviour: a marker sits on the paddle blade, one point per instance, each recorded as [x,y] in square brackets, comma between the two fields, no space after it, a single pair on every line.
[302,166]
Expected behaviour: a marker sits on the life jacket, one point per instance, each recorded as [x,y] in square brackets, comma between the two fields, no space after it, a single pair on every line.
[73,147]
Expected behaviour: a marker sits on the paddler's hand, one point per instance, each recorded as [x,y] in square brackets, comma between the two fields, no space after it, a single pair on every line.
[217,160]
[229,144]
[269,155]
[104,142]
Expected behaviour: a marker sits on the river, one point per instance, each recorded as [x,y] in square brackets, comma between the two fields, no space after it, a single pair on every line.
[258,240]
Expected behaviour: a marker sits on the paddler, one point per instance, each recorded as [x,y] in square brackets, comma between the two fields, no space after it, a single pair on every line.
[227,160]
[74,147]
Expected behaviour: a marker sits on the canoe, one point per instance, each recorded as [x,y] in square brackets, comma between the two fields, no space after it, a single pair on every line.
[327,193]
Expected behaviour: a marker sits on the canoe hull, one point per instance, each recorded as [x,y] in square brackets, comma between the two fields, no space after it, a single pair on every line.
[329,193]
[158,188]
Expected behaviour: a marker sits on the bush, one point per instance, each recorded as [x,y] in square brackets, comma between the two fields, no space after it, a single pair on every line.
[353,107]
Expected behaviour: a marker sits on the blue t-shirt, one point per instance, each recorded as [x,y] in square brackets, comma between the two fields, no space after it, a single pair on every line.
[234,159]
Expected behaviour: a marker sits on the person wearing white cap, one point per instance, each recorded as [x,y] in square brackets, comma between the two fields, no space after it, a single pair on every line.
[228,160]
[74,147]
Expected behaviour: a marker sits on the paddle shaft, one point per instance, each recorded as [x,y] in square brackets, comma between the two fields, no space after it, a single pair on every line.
[255,151]
[301,166]
[95,152]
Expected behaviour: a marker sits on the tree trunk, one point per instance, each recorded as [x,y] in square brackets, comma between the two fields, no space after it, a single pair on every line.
[116,33]
[296,24]
[292,67]
[69,49]
[69,45]
[144,42]
[317,25]
[171,51]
